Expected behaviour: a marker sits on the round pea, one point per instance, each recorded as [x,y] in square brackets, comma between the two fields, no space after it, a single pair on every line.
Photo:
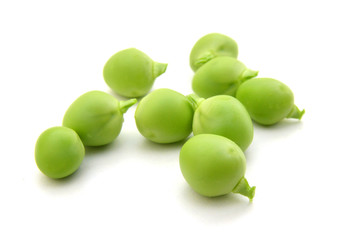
[226,116]
[131,73]
[214,165]
[97,117]
[164,116]
[268,101]
[59,152]
[220,76]
[210,46]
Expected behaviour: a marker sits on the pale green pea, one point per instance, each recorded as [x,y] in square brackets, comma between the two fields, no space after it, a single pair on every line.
[211,46]
[97,117]
[223,115]
[220,76]
[214,165]
[131,73]
[59,152]
[164,116]
[268,101]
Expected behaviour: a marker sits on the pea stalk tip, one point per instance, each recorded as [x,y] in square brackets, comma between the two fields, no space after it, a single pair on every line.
[205,58]
[125,105]
[248,74]
[244,189]
[296,113]
[194,100]
[159,69]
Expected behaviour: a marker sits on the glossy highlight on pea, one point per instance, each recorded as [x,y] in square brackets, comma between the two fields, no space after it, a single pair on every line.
[59,152]
[214,165]
[164,116]
[97,117]
[221,76]
[268,101]
[131,73]
[211,46]
[225,116]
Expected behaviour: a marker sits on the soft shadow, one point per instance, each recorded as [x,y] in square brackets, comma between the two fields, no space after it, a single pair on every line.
[147,145]
[281,129]
[78,176]
[222,208]
[96,150]
[66,182]
[249,153]
[122,98]
[286,123]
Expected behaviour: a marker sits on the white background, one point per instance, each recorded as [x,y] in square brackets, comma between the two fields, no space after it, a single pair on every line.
[53,51]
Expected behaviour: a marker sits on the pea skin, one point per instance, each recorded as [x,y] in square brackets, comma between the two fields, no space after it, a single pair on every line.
[214,165]
[131,73]
[268,101]
[97,117]
[211,46]
[221,76]
[164,116]
[59,152]
[225,116]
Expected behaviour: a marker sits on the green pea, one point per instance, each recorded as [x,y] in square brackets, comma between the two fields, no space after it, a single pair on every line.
[210,46]
[131,73]
[268,101]
[214,165]
[97,117]
[164,116]
[226,116]
[220,76]
[59,152]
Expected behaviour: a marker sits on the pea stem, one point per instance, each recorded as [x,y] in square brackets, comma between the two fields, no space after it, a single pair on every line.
[194,100]
[158,69]
[243,188]
[248,74]
[205,58]
[125,105]
[296,113]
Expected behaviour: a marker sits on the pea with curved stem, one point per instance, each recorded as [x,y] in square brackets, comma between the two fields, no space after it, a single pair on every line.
[59,152]
[268,101]
[211,46]
[131,73]
[223,115]
[164,116]
[214,165]
[221,76]
[97,117]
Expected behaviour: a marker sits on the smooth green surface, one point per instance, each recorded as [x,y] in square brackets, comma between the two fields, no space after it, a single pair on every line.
[214,165]
[97,117]
[220,76]
[226,116]
[59,152]
[164,116]
[268,101]
[211,46]
[131,73]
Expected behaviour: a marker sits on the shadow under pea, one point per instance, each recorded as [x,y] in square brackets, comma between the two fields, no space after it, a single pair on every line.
[78,177]
[282,129]
[224,208]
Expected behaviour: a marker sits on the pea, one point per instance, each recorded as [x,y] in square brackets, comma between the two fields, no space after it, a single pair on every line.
[59,152]
[210,46]
[131,73]
[97,117]
[223,115]
[220,76]
[268,101]
[164,116]
[214,165]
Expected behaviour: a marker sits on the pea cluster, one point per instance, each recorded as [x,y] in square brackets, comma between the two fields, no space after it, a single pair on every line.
[227,99]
